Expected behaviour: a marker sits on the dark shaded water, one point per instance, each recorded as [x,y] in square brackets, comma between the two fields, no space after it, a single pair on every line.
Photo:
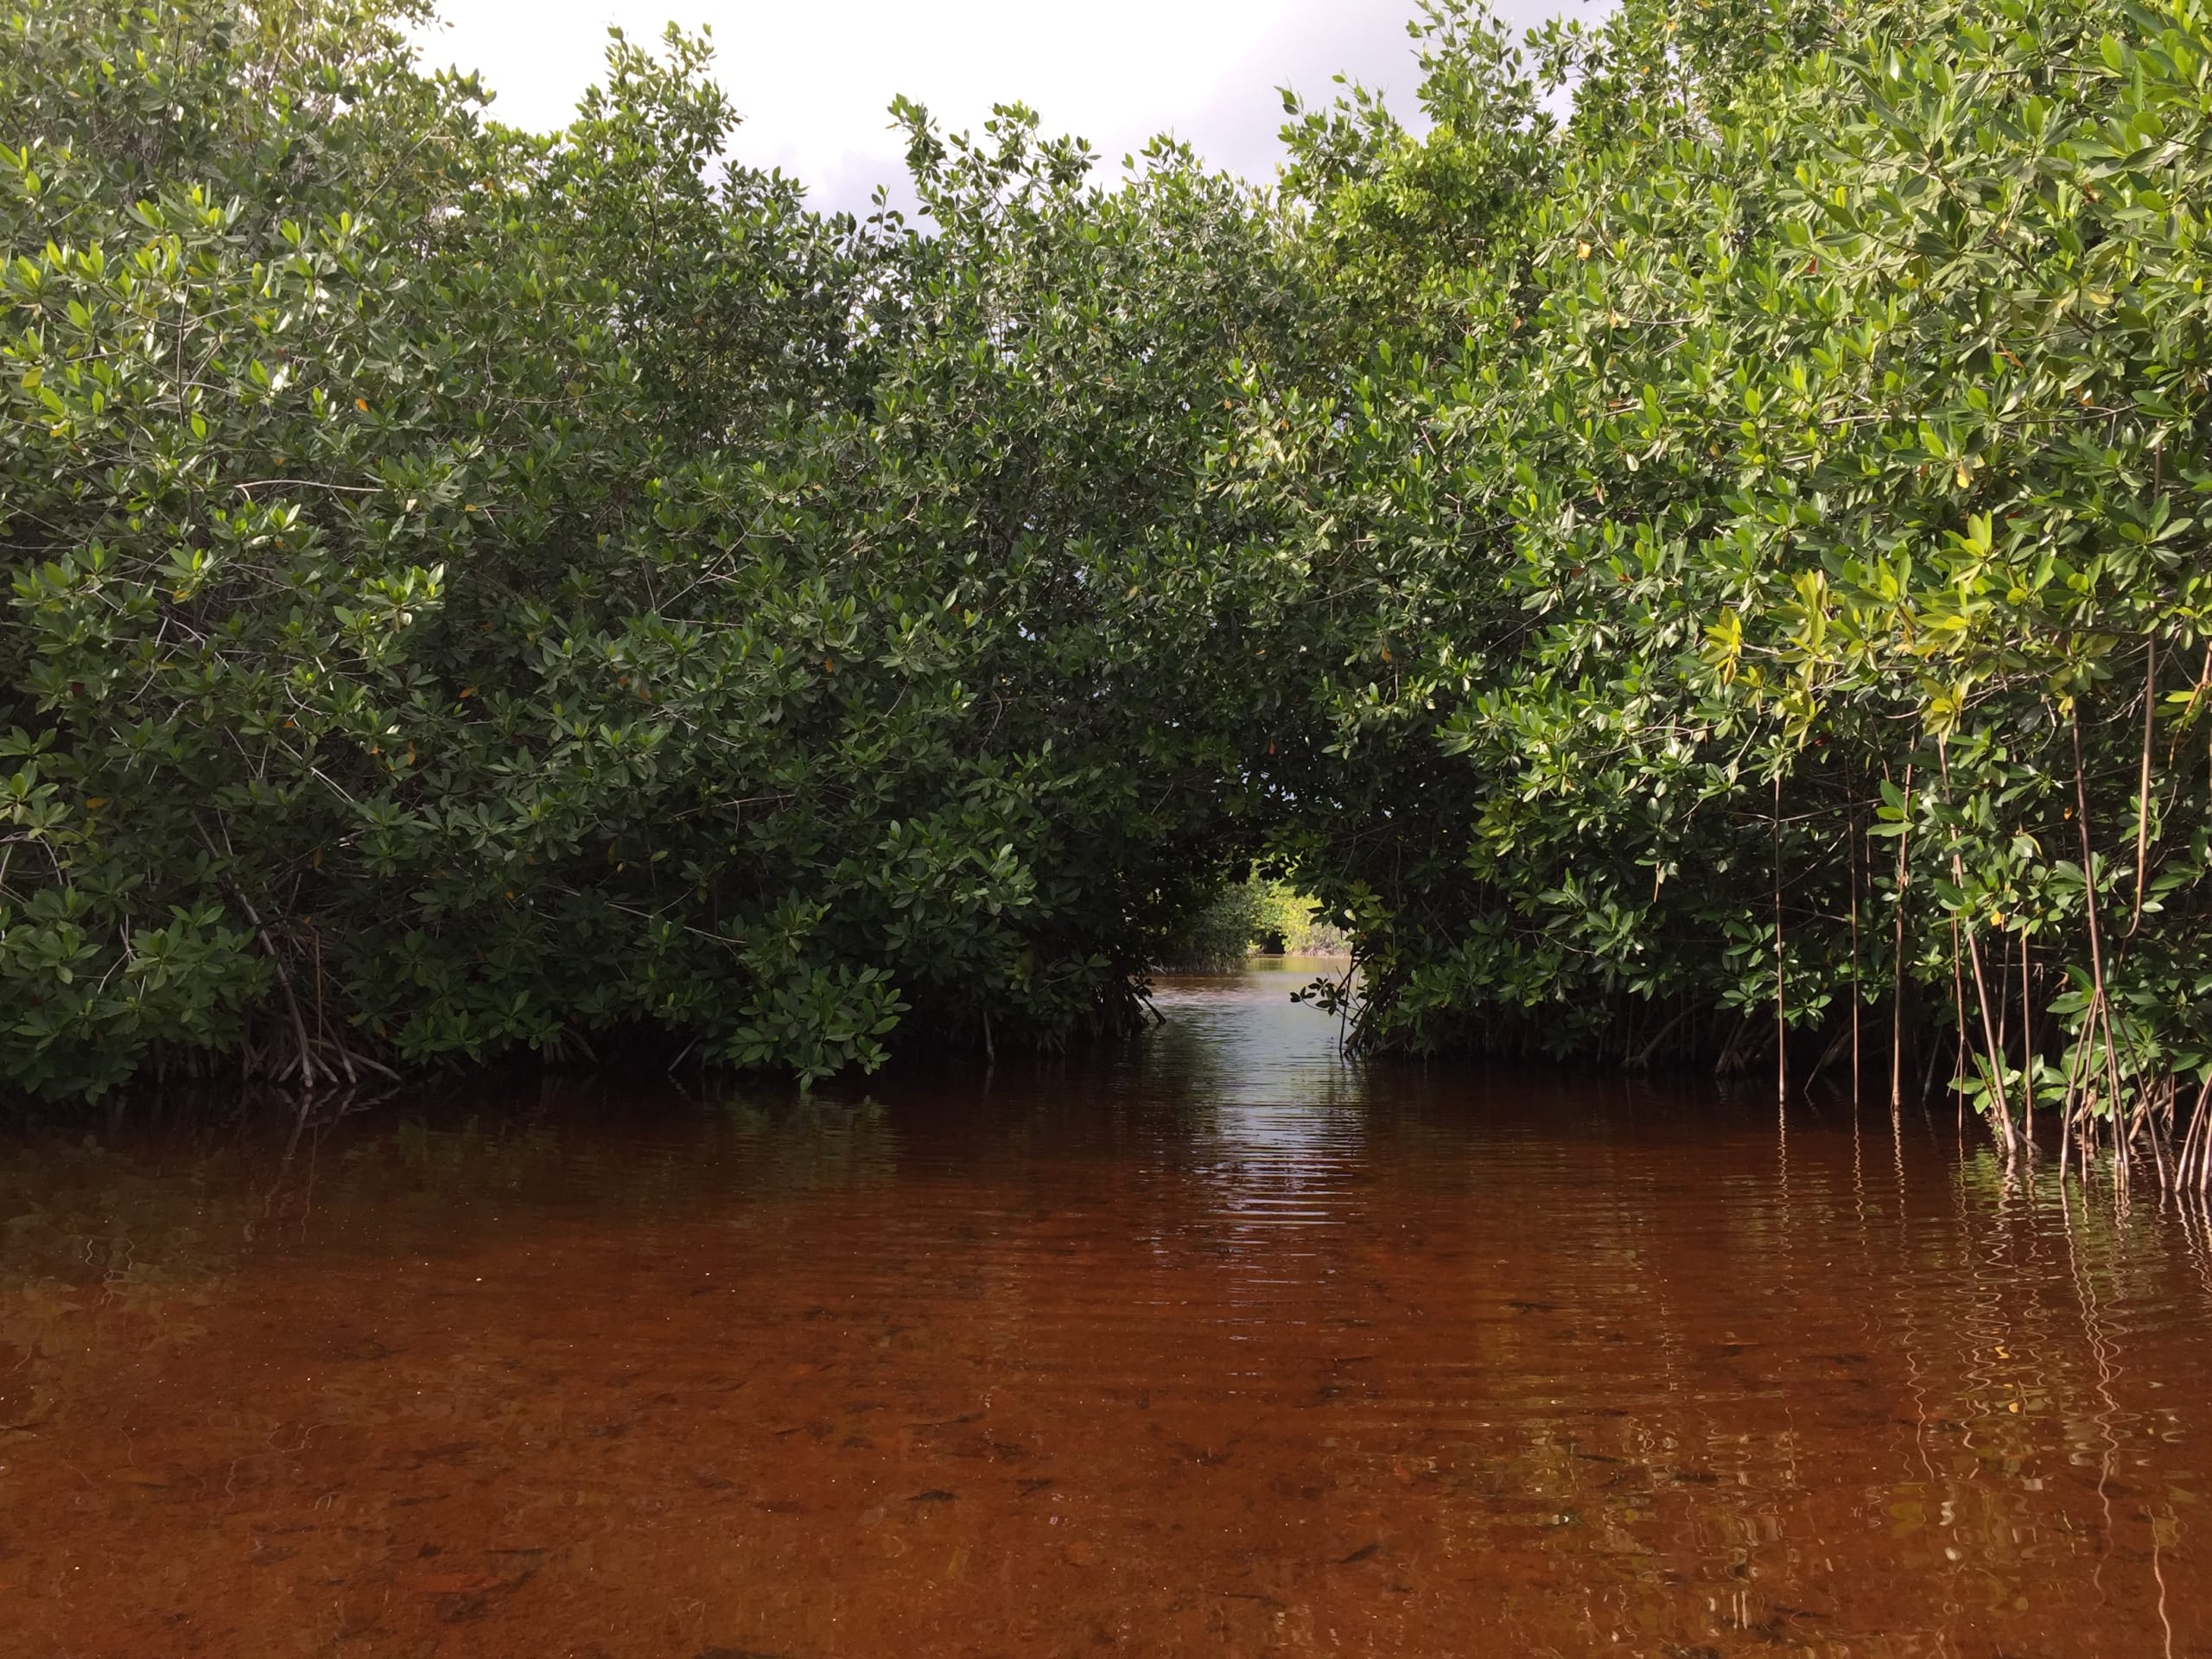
[1223,1349]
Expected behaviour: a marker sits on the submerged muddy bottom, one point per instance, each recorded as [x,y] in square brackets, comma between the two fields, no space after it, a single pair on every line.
[1221,1349]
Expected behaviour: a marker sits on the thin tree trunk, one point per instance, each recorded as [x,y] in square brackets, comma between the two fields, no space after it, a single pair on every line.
[1896,985]
[1959,1028]
[1996,1050]
[2143,784]
[306,1059]
[1851,827]
[2100,1002]
[2198,1122]
[1781,1010]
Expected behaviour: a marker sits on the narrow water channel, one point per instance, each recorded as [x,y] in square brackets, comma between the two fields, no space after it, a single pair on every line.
[1221,1348]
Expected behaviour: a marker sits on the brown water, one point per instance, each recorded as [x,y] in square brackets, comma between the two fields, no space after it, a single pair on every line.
[1223,1348]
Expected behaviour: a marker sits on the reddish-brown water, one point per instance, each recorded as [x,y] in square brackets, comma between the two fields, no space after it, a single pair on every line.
[1220,1348]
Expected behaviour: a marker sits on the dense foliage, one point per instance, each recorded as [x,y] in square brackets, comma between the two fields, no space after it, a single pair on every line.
[1696,555]
[474,590]
[1786,514]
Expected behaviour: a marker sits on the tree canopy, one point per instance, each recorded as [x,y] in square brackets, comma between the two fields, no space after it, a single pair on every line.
[1694,555]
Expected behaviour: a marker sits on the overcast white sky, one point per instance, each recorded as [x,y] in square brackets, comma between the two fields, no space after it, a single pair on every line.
[813,81]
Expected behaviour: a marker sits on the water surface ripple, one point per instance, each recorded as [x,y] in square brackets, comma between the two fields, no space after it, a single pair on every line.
[1222,1347]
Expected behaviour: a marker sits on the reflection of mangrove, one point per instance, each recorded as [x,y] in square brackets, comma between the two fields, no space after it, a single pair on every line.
[1991,1327]
[737,1146]
[145,1242]
[146,1232]
[1612,1352]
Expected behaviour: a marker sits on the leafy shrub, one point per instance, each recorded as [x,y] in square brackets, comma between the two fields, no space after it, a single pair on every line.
[1763,571]
[473,590]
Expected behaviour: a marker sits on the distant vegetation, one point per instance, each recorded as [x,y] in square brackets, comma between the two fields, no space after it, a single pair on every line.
[1254,916]
[1698,559]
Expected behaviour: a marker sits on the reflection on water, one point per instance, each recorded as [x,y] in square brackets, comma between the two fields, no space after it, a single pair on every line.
[1222,1347]
[1274,1124]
